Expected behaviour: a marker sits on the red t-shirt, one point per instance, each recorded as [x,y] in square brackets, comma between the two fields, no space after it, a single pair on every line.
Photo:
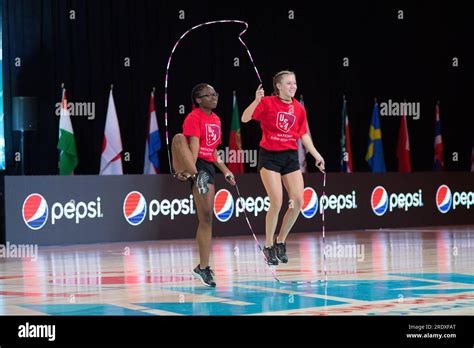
[282,124]
[205,127]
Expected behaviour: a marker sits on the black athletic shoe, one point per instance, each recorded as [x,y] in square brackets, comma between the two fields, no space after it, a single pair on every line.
[201,180]
[270,255]
[205,276]
[281,252]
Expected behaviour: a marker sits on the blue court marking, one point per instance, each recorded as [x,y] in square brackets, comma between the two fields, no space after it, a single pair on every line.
[258,301]
[426,309]
[442,277]
[83,309]
[265,300]
[366,290]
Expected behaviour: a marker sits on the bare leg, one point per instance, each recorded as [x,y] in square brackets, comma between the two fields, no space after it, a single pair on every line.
[294,185]
[204,206]
[183,160]
[272,182]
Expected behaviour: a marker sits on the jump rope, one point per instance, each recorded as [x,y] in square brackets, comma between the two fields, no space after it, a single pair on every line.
[272,270]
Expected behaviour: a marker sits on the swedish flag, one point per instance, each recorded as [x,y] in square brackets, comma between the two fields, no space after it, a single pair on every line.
[374,154]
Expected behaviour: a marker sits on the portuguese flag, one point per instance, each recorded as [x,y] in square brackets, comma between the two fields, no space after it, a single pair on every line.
[235,143]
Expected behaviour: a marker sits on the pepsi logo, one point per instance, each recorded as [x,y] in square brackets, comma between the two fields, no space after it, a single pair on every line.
[310,203]
[223,205]
[443,199]
[35,211]
[134,208]
[379,201]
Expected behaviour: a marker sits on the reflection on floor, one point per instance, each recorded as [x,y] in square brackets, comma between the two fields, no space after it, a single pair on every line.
[382,272]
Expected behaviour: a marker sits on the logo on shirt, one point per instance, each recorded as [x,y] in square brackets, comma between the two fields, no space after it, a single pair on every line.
[285,121]
[213,134]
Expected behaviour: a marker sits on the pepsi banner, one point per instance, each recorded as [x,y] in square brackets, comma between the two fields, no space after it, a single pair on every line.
[49,210]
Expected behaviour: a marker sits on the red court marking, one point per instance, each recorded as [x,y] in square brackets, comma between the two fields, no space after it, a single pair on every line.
[11,277]
[121,280]
[220,270]
[365,307]
[79,273]
[37,294]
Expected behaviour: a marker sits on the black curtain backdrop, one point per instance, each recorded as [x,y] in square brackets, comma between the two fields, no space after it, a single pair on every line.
[389,59]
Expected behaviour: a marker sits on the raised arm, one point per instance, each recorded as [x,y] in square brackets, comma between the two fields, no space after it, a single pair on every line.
[247,115]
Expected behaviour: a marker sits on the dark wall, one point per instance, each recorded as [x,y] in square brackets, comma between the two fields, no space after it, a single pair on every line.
[389,59]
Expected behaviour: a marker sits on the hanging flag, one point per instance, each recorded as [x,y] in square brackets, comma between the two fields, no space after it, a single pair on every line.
[472,159]
[153,141]
[438,143]
[403,147]
[68,159]
[374,154]
[235,140]
[346,152]
[301,150]
[111,160]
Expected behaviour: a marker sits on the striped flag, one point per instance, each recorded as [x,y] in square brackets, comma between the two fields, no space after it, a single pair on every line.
[235,140]
[153,141]
[472,159]
[438,143]
[374,155]
[68,159]
[111,160]
[403,147]
[346,152]
[301,150]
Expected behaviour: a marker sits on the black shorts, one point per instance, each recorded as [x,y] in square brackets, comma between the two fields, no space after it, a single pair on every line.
[283,162]
[208,167]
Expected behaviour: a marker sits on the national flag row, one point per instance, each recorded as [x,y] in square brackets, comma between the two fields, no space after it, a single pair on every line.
[111,159]
[375,156]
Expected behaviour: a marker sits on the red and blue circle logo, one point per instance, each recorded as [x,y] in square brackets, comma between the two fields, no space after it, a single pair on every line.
[35,211]
[223,205]
[379,201]
[134,208]
[310,203]
[444,199]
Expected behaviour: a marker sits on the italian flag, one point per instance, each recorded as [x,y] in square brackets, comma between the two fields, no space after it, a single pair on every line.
[67,144]
[235,142]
